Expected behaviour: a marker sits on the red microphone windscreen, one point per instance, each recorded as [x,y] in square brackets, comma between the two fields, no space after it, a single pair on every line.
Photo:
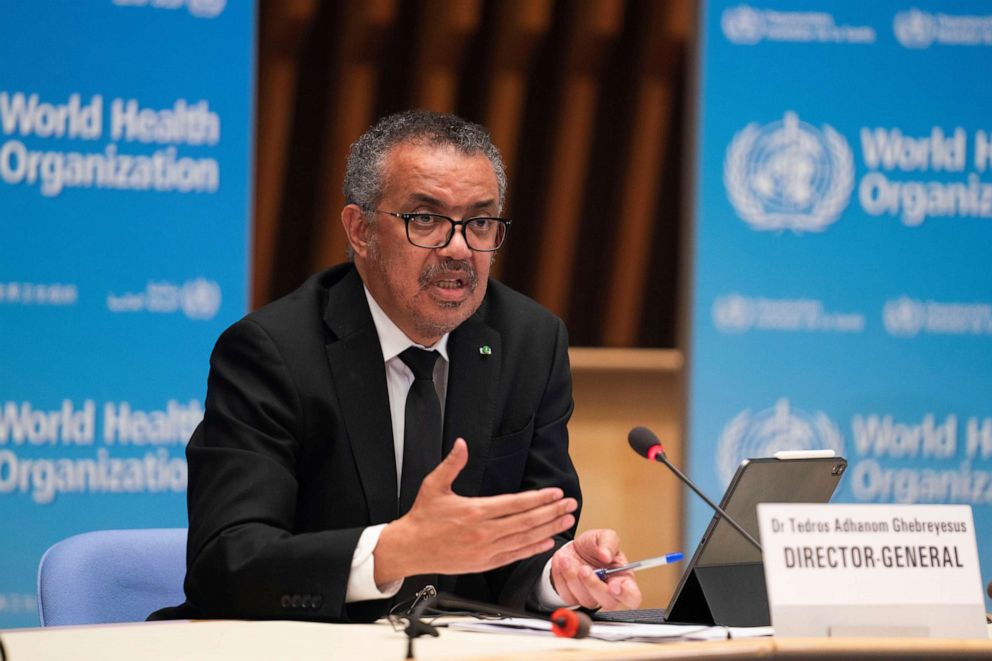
[642,439]
[567,623]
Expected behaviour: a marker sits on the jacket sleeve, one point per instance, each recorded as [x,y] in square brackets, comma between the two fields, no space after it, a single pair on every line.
[244,556]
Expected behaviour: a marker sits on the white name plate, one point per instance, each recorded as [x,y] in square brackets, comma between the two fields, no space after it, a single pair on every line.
[872,570]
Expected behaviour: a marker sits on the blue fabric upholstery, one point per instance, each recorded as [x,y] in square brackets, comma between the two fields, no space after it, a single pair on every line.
[111,576]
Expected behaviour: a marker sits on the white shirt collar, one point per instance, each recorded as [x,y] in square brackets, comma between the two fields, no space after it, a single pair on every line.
[392,339]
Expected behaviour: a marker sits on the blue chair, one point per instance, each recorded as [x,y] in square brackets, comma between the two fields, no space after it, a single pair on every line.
[111,576]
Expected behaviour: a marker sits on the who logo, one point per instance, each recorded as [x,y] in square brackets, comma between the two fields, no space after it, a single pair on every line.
[904,316]
[788,175]
[742,25]
[915,28]
[201,298]
[734,313]
[197,8]
[768,431]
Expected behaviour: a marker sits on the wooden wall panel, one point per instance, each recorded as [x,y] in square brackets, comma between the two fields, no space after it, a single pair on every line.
[368,24]
[279,53]
[444,32]
[652,115]
[592,27]
[582,96]
[616,390]
[518,28]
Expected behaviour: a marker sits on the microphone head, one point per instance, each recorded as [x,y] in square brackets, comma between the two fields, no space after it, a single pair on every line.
[566,623]
[645,443]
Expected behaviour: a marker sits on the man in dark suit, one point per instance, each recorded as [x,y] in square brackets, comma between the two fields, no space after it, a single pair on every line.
[317,486]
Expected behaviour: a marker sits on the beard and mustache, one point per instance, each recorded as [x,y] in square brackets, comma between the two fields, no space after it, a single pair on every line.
[432,325]
[447,270]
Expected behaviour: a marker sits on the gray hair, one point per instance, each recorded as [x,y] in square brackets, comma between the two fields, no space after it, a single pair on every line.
[363,179]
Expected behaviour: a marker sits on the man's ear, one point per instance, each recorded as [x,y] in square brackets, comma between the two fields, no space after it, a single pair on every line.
[355,228]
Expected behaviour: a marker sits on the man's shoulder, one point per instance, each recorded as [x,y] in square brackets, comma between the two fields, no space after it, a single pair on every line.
[307,300]
[298,314]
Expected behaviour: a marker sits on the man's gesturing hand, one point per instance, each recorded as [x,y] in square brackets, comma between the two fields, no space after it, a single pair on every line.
[573,572]
[445,533]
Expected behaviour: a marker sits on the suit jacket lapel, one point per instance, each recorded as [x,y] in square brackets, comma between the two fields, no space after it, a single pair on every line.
[470,404]
[359,377]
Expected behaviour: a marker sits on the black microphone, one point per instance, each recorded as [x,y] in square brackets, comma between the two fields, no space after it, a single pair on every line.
[645,443]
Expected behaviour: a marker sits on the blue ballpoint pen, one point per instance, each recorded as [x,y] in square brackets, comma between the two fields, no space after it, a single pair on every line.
[666,559]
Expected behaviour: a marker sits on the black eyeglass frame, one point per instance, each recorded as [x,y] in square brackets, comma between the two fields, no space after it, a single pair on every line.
[409,216]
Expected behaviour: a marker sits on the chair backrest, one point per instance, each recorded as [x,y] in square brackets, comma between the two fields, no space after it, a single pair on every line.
[111,576]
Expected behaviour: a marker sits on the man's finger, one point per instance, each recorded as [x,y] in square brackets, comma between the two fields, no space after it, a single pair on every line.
[505,558]
[606,594]
[509,504]
[619,590]
[625,590]
[560,565]
[535,518]
[444,475]
[580,586]
[598,547]
[532,535]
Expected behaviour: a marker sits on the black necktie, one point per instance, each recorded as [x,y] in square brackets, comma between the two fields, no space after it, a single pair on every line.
[421,448]
[422,426]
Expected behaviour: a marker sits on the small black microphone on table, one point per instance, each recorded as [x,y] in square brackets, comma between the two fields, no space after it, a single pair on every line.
[646,443]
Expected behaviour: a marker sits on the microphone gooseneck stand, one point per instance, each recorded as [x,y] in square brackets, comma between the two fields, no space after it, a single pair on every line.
[645,443]
[415,628]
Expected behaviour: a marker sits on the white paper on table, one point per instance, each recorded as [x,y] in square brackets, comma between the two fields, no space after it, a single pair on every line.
[615,631]
[727,633]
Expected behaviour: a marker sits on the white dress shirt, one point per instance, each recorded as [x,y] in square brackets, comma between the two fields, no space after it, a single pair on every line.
[399,378]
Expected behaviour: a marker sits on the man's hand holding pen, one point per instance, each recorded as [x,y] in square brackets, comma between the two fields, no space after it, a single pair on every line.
[573,573]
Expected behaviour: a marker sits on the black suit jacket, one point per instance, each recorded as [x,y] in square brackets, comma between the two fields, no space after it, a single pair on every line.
[295,457]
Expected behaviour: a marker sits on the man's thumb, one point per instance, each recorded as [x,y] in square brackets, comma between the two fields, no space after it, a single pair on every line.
[444,475]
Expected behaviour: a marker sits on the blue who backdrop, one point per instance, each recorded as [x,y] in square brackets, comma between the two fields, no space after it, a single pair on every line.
[842,295]
[125,166]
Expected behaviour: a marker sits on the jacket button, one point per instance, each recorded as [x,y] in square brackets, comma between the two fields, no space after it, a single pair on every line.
[296,601]
[285,601]
[317,601]
[305,602]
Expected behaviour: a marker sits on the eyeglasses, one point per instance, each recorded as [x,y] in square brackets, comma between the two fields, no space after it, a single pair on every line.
[432,230]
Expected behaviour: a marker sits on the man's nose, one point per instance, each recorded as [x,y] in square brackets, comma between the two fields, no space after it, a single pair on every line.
[457,248]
